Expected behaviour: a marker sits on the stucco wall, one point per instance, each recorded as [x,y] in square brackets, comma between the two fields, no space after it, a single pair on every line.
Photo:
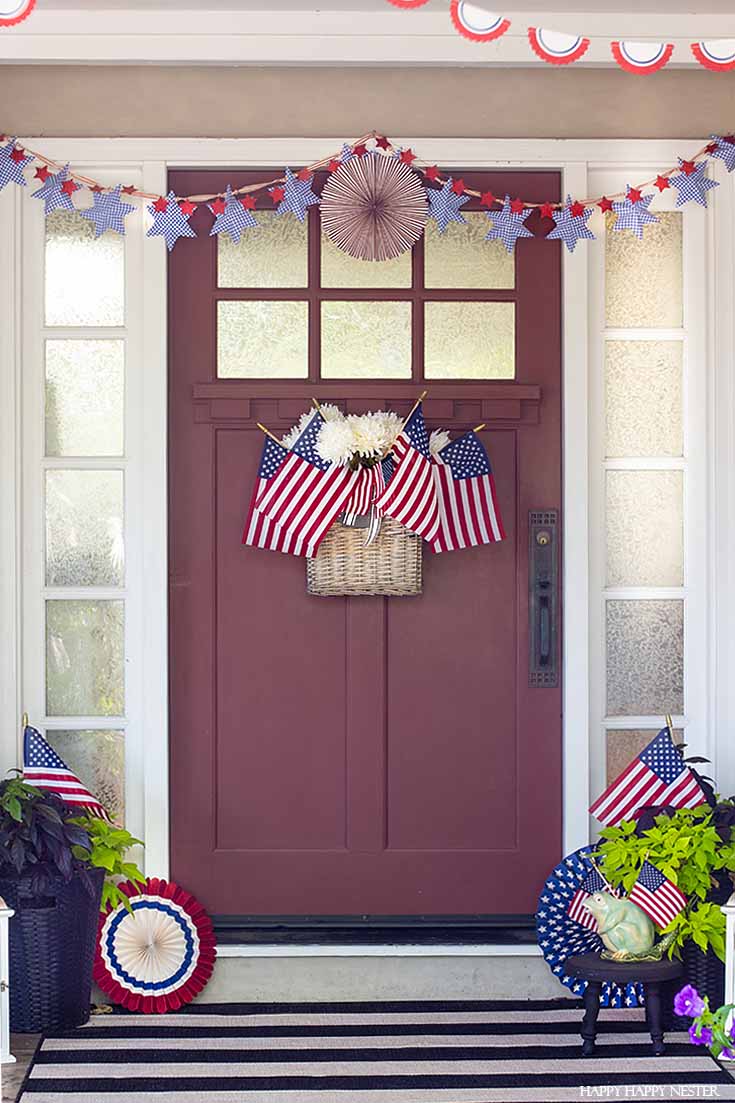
[245,102]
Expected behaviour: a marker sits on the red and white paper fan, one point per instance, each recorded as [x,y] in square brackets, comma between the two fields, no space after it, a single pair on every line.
[642,57]
[159,956]
[555,47]
[718,56]
[15,11]
[477,24]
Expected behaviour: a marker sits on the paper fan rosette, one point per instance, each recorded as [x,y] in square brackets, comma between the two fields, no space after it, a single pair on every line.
[159,956]
[560,936]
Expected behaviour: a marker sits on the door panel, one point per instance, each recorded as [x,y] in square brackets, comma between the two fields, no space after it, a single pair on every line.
[361,756]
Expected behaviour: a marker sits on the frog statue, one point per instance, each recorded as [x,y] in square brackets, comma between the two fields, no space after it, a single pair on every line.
[627,932]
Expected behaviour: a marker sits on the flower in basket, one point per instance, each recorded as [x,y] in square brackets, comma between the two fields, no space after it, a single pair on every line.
[359,440]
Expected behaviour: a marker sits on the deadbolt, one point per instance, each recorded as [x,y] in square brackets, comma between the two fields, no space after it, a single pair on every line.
[543,538]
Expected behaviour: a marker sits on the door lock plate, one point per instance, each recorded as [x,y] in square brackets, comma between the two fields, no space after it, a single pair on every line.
[543,598]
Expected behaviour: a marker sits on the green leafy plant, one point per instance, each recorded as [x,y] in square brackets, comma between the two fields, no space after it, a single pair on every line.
[108,847]
[38,835]
[691,849]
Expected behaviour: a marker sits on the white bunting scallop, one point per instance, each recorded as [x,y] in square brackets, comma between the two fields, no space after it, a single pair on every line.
[717,55]
[477,24]
[642,57]
[15,11]
[557,48]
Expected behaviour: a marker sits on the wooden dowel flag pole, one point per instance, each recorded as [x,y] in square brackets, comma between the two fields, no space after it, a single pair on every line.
[24,720]
[269,434]
[479,427]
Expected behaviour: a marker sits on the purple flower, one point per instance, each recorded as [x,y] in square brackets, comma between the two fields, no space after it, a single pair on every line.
[727,1054]
[688,1002]
[703,1038]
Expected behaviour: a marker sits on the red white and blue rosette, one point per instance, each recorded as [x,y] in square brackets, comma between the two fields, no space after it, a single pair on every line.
[555,47]
[160,955]
[642,57]
[15,11]
[408,3]
[560,936]
[717,55]
[477,24]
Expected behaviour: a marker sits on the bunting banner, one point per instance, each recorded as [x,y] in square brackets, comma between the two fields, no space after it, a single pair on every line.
[15,11]
[477,24]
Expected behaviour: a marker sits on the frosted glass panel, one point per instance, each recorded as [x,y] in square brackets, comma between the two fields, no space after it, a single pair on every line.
[366,340]
[85,658]
[624,746]
[645,528]
[98,759]
[85,384]
[85,276]
[341,270]
[469,341]
[263,340]
[643,279]
[274,255]
[643,398]
[645,658]
[84,528]
[460,257]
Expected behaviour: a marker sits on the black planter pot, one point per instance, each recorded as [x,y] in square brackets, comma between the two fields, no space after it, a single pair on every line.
[704,970]
[52,946]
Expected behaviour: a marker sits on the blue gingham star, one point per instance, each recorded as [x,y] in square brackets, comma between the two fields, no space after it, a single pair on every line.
[234,219]
[108,212]
[298,196]
[692,186]
[633,214]
[507,226]
[52,193]
[570,228]
[725,150]
[11,171]
[346,154]
[170,224]
[445,204]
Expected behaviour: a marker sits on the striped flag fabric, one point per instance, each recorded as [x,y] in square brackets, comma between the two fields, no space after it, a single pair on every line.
[468,504]
[410,497]
[658,897]
[306,494]
[43,769]
[658,775]
[370,485]
[592,883]
[260,531]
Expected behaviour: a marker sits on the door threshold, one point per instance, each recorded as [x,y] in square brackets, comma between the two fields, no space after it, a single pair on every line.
[362,950]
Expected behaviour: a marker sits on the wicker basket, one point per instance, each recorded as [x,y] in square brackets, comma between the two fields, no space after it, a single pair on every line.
[344,567]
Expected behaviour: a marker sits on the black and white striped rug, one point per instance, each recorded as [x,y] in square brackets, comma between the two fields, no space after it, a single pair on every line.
[429,1052]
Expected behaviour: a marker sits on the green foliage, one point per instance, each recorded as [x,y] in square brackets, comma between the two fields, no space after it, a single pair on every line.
[37,835]
[108,847]
[689,851]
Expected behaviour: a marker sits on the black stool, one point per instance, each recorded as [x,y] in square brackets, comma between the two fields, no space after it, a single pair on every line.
[651,974]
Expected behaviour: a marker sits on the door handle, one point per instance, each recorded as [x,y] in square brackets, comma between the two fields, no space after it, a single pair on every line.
[543,541]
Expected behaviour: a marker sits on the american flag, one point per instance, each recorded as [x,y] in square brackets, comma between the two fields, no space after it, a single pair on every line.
[260,531]
[370,485]
[410,497]
[657,896]
[658,775]
[592,883]
[43,768]
[306,494]
[468,505]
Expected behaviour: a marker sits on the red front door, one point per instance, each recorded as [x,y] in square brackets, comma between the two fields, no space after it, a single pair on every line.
[345,756]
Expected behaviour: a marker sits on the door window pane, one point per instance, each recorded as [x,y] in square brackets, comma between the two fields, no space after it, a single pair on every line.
[643,279]
[469,341]
[273,255]
[84,528]
[645,658]
[261,339]
[85,383]
[85,658]
[85,275]
[643,398]
[98,760]
[461,257]
[645,528]
[366,340]
[624,746]
[341,270]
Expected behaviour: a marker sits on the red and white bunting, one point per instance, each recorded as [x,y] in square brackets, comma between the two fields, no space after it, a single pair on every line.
[642,57]
[477,24]
[408,3]
[716,55]
[557,48]
[15,11]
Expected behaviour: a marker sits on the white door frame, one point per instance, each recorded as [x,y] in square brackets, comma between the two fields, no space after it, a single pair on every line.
[154,157]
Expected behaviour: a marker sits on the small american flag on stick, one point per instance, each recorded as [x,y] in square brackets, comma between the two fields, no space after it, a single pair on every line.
[260,531]
[307,494]
[658,775]
[468,505]
[410,496]
[657,896]
[43,769]
[592,883]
